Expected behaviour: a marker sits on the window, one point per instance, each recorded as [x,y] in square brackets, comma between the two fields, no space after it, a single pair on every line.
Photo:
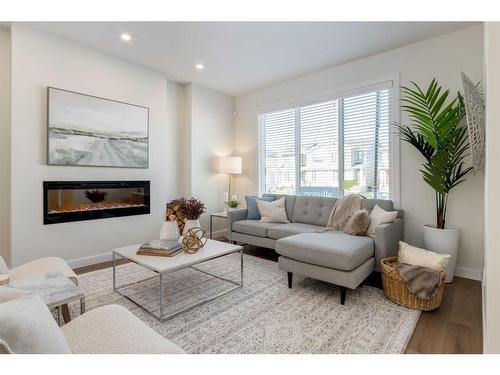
[331,149]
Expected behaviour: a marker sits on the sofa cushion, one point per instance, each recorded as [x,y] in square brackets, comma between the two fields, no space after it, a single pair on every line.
[284,230]
[27,326]
[252,227]
[253,211]
[336,250]
[369,204]
[312,210]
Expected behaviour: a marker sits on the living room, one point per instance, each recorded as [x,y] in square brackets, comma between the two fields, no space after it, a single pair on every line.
[194,186]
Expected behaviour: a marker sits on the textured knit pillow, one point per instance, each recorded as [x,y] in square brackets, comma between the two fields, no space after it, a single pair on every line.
[380,216]
[273,212]
[357,224]
[27,326]
[416,256]
[252,209]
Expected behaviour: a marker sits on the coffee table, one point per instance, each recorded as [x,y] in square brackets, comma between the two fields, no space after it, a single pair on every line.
[164,265]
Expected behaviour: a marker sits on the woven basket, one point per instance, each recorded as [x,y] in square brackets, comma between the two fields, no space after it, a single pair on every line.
[396,290]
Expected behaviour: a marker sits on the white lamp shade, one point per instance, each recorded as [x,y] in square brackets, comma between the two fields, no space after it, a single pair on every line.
[230,165]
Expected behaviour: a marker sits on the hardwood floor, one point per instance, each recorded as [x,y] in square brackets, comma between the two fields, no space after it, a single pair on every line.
[454,328]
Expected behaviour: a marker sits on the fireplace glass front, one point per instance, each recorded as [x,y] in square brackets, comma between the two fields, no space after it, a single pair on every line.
[66,201]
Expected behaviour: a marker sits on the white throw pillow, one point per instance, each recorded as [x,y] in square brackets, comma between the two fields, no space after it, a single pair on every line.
[27,326]
[416,256]
[380,216]
[272,212]
[3,267]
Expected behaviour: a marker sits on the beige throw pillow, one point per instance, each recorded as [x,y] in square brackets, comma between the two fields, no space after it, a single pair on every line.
[380,216]
[420,257]
[272,212]
[358,223]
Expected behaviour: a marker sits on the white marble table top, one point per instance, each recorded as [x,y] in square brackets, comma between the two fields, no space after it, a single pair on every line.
[54,288]
[212,249]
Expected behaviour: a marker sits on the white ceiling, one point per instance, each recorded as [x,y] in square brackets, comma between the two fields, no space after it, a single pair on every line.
[243,56]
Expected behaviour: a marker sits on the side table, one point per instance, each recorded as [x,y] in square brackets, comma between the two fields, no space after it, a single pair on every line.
[222,215]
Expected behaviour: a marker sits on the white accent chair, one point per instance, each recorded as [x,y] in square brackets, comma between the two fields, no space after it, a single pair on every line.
[27,326]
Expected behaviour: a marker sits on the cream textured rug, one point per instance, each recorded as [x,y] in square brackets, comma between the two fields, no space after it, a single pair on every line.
[262,317]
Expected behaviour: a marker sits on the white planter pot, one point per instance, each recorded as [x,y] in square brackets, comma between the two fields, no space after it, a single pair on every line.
[169,231]
[190,224]
[443,241]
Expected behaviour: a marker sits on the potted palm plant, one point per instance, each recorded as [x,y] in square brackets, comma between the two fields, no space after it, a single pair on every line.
[439,134]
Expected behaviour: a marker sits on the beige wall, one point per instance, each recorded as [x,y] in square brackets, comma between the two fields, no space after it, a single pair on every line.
[442,57]
[5,144]
[491,291]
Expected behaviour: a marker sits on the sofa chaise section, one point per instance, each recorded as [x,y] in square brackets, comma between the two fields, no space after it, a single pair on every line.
[307,249]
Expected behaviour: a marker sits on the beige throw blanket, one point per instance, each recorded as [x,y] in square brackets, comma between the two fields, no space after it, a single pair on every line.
[421,281]
[342,210]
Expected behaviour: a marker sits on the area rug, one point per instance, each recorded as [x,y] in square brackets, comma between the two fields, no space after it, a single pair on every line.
[262,317]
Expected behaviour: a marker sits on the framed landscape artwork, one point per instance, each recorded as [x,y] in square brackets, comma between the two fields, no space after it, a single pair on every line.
[85,130]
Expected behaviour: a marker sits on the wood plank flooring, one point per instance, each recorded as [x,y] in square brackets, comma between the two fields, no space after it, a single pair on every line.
[456,327]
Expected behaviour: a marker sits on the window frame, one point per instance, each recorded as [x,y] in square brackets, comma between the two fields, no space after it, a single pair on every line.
[389,82]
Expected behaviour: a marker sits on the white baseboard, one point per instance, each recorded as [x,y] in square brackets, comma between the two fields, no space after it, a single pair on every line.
[87,261]
[469,273]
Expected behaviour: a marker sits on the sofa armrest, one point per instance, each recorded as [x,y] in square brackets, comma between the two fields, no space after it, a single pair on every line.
[232,216]
[387,237]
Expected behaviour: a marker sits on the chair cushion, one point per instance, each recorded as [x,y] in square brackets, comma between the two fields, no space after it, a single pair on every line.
[284,230]
[42,266]
[252,227]
[330,249]
[112,329]
[27,326]
[312,210]
[253,211]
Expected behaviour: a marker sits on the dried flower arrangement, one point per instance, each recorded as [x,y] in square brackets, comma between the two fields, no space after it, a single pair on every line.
[96,196]
[192,208]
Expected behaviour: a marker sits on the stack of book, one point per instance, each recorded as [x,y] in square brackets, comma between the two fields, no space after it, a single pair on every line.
[161,248]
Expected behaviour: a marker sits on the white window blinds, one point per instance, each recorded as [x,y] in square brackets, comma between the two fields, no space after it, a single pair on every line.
[366,144]
[331,148]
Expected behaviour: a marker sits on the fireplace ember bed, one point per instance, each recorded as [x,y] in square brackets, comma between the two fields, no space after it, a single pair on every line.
[66,201]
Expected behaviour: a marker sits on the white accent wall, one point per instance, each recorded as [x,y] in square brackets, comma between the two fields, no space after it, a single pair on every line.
[491,291]
[189,126]
[210,135]
[5,144]
[38,61]
[442,57]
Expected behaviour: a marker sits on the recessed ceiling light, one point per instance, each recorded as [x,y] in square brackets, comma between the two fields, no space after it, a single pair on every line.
[199,66]
[126,37]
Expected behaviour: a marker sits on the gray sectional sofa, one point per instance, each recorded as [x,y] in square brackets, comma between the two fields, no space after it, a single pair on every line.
[305,248]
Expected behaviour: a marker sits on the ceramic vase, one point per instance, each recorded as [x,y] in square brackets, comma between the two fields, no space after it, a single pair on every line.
[190,224]
[169,231]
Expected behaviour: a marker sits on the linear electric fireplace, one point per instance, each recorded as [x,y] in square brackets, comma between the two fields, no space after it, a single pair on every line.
[65,201]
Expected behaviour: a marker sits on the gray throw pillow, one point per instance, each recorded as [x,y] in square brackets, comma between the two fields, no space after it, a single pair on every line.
[253,211]
[27,326]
